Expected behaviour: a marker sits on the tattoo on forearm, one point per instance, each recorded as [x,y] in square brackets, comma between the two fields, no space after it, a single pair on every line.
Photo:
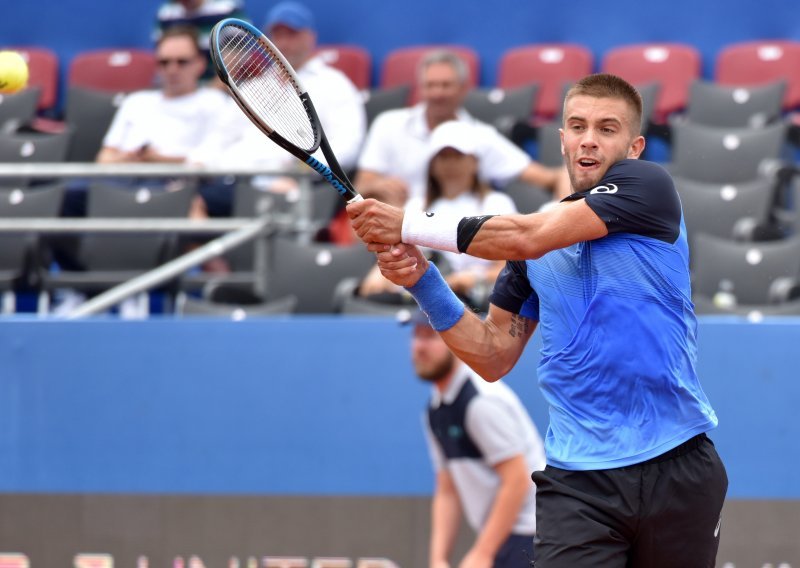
[520,326]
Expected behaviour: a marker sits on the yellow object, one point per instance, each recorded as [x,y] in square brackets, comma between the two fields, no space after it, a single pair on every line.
[13,72]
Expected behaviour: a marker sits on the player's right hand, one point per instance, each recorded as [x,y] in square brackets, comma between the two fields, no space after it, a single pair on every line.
[376,222]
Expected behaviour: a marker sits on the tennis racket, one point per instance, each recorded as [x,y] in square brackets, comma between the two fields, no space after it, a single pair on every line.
[267,89]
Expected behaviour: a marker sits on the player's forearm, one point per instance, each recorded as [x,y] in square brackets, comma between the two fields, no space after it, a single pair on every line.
[484,346]
[499,237]
[490,346]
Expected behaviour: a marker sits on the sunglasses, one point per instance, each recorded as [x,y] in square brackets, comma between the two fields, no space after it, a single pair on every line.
[179,61]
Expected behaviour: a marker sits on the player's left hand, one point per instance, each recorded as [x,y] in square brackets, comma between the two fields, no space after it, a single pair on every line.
[376,222]
[401,263]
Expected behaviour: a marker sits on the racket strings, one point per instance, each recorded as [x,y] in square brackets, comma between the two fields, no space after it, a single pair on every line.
[267,86]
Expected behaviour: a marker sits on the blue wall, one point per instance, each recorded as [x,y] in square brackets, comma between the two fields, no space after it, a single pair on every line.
[309,406]
[75,25]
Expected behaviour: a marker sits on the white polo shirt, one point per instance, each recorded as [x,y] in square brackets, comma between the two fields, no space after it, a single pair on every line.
[172,126]
[397,146]
[500,427]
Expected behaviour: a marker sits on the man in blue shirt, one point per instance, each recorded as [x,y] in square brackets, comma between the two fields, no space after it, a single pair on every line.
[631,478]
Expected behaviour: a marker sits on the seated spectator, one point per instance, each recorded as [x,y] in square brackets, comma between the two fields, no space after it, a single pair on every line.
[454,187]
[235,141]
[200,14]
[392,166]
[165,125]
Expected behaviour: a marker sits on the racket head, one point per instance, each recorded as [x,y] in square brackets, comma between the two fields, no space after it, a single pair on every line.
[264,84]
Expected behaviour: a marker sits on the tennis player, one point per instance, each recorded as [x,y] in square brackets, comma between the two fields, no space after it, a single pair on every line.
[631,479]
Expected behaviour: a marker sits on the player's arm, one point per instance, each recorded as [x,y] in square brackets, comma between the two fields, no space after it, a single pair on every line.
[445,520]
[522,237]
[490,346]
[514,487]
[503,237]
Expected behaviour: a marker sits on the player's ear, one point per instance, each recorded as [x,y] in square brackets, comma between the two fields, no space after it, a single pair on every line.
[637,147]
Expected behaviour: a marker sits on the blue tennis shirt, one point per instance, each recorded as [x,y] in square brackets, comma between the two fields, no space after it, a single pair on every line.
[618,328]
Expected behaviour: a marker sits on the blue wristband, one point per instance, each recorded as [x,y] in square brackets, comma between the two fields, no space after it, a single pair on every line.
[437,300]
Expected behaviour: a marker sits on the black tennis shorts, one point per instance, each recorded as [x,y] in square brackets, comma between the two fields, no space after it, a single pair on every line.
[661,513]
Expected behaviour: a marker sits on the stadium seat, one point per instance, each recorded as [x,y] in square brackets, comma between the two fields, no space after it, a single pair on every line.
[377,101]
[673,66]
[502,108]
[720,209]
[400,66]
[89,113]
[43,73]
[727,106]
[109,259]
[33,147]
[551,66]
[352,60]
[760,62]
[21,255]
[548,146]
[312,271]
[18,109]
[753,312]
[114,70]
[249,200]
[724,155]
[743,273]
[527,198]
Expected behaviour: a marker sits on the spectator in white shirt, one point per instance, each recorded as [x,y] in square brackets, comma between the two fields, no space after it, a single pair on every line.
[453,187]
[165,125]
[392,166]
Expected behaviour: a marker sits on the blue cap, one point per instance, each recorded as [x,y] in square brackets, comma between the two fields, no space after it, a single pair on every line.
[291,14]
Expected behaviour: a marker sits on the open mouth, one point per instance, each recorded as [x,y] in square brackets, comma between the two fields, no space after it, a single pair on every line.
[588,162]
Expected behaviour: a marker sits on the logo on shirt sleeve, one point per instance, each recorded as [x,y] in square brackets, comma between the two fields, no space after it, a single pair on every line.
[608,188]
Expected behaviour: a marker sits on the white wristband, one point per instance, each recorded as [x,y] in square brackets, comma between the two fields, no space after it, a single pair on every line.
[439,232]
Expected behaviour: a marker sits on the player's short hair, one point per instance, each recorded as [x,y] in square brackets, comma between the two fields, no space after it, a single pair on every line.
[446,57]
[181,30]
[605,85]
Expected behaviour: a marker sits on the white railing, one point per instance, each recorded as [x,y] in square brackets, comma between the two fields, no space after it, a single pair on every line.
[235,231]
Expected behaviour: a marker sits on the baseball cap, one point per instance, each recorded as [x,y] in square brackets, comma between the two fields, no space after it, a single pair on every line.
[455,134]
[291,14]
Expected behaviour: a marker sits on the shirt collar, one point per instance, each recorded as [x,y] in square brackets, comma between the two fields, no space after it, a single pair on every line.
[460,376]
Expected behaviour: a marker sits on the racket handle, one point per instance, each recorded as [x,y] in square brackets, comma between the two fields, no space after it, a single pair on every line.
[355,199]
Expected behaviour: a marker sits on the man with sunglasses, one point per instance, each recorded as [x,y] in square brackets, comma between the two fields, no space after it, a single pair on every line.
[164,125]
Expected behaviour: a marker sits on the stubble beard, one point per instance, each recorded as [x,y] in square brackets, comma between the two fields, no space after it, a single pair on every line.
[437,372]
